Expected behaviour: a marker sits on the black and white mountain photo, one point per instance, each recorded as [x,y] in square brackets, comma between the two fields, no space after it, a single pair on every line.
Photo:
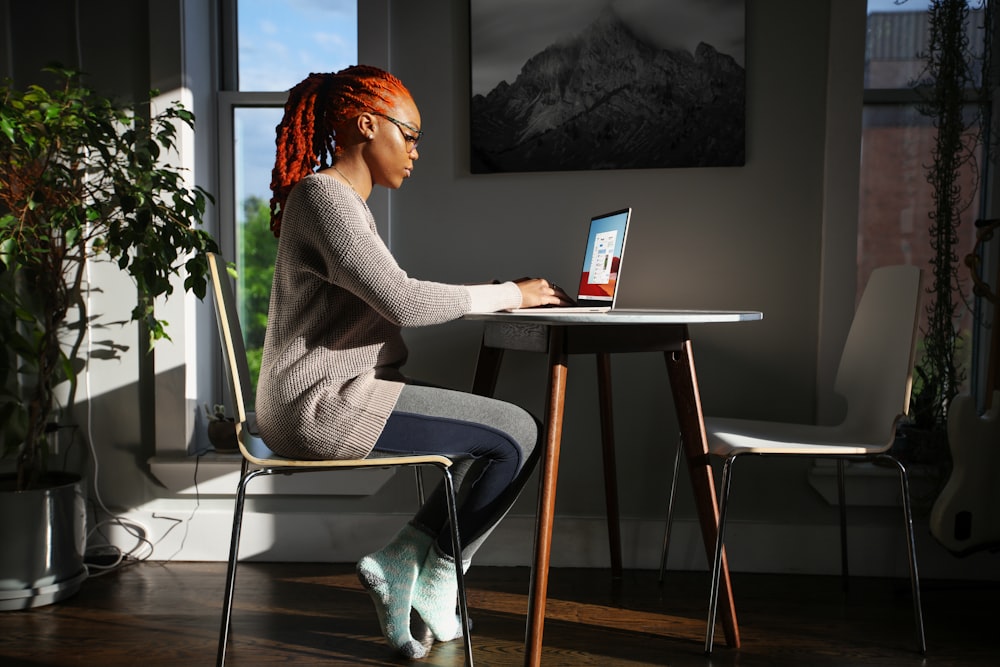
[562,85]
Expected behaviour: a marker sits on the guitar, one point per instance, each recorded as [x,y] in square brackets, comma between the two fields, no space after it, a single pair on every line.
[965,516]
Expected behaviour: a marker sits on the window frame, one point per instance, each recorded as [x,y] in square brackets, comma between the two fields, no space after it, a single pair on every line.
[373,48]
[982,310]
[229,102]
[171,464]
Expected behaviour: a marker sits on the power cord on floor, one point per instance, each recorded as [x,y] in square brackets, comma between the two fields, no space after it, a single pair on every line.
[105,558]
[108,557]
[187,522]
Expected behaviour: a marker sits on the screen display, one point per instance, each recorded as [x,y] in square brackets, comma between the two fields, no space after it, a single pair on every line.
[603,257]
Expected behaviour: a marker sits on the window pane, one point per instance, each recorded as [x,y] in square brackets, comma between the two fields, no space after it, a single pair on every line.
[896,44]
[282,41]
[256,247]
[897,36]
[896,199]
[279,43]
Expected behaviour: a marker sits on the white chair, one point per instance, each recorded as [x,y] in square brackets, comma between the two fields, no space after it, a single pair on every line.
[875,378]
[258,460]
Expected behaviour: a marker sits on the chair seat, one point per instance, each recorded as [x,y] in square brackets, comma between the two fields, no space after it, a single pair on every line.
[727,437]
[257,452]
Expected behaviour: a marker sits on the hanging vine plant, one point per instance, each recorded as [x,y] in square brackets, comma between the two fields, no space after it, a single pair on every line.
[955,67]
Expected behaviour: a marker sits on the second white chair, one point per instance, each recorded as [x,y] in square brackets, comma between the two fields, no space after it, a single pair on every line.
[875,378]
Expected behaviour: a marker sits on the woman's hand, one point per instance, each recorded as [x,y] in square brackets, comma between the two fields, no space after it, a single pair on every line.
[540,292]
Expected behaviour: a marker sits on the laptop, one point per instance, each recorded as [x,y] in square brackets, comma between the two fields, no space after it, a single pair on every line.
[602,266]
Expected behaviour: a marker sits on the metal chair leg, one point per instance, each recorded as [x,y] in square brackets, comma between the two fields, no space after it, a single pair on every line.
[713,599]
[670,508]
[911,548]
[456,545]
[230,584]
[234,554]
[842,497]
[419,478]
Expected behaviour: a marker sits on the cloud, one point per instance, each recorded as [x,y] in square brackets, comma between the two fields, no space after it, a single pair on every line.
[280,45]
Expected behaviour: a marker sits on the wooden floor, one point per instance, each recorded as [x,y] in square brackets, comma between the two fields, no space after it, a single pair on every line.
[154,614]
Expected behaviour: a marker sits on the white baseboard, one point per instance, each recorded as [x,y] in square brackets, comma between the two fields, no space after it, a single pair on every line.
[183,533]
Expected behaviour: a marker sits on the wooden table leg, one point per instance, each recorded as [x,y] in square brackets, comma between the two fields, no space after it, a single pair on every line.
[555,402]
[610,468]
[687,402]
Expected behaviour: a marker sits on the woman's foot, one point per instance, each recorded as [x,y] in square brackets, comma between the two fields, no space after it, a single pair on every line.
[435,596]
[390,575]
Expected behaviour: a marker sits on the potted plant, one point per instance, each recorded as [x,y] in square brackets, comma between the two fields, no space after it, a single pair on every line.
[221,429]
[81,178]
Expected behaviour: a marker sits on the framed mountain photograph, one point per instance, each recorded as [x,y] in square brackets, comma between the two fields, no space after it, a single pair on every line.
[563,85]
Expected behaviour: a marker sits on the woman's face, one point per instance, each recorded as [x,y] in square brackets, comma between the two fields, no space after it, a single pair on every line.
[394,146]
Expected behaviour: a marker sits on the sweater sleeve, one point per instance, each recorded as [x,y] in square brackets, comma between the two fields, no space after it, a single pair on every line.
[350,254]
[491,298]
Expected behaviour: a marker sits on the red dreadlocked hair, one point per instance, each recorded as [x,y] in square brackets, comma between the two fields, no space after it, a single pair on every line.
[315,107]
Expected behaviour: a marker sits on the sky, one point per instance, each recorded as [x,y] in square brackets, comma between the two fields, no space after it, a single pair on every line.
[281,42]
[897,5]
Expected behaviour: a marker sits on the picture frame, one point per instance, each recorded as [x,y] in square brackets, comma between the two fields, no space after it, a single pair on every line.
[563,85]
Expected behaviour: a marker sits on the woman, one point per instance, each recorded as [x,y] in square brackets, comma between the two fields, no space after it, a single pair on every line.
[330,383]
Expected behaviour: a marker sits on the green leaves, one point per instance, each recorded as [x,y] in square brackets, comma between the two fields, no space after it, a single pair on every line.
[83,177]
[7,127]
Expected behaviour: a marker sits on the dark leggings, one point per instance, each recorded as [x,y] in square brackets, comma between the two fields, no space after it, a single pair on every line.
[496,441]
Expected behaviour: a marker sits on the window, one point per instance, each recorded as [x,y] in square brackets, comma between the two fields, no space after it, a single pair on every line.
[897,145]
[274,45]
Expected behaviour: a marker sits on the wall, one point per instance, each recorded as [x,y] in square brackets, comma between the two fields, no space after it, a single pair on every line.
[746,237]
[775,235]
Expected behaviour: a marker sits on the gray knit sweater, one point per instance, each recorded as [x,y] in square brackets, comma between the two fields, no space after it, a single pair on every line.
[330,373]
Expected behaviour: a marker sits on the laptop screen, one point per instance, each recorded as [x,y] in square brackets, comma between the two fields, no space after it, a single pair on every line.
[602,259]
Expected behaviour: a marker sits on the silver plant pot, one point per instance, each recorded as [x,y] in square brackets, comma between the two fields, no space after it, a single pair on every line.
[43,537]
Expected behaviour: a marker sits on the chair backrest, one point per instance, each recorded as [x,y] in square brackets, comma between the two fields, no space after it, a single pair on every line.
[231,336]
[876,367]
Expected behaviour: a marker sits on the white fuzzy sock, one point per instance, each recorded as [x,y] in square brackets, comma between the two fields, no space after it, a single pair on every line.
[436,594]
[390,575]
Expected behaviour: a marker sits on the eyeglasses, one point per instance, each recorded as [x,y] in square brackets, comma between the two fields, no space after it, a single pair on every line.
[411,139]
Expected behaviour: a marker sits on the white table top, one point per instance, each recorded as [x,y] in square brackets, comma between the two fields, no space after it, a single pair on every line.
[627,316]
